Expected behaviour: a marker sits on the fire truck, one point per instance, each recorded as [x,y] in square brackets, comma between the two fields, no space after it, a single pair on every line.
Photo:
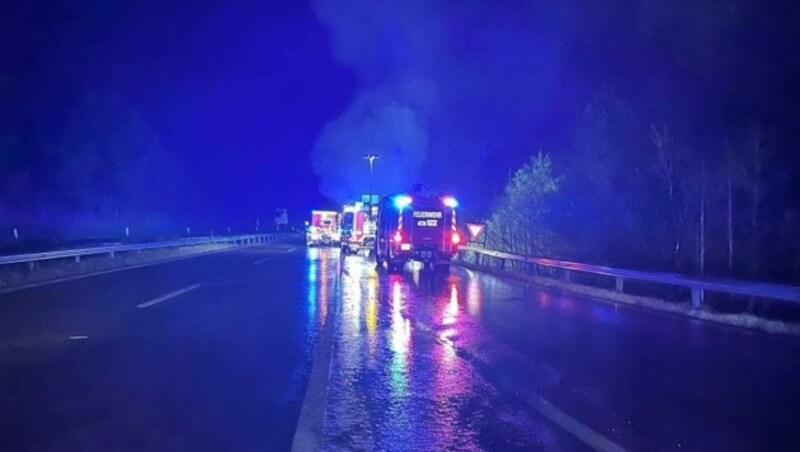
[357,228]
[323,230]
[416,225]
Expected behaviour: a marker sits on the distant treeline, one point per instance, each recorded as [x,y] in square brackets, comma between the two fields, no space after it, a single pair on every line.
[636,193]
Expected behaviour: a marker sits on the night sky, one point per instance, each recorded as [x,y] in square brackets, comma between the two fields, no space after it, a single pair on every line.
[222,111]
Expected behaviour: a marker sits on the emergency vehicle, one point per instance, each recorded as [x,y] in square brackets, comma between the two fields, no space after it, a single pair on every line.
[323,230]
[357,228]
[416,225]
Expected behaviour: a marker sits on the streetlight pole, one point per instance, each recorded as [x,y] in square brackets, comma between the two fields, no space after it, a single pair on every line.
[371,159]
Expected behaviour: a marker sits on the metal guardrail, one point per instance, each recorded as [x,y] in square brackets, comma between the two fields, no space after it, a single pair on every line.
[112,250]
[697,285]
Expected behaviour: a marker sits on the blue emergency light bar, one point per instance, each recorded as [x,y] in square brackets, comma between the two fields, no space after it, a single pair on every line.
[402,201]
[449,201]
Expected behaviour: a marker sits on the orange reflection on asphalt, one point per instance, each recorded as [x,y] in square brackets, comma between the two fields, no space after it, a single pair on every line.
[323,286]
[372,305]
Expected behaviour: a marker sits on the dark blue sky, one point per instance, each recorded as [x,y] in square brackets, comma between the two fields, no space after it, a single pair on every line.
[218,111]
[236,94]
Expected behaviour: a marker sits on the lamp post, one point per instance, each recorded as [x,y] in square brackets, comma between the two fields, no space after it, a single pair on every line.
[371,159]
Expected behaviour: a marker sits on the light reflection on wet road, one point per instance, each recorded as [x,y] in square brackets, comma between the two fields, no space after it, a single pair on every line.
[308,346]
[396,380]
[467,361]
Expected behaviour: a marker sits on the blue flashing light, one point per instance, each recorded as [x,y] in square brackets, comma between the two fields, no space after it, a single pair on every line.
[449,201]
[402,201]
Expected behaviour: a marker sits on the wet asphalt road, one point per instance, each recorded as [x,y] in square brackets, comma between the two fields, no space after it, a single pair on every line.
[216,353]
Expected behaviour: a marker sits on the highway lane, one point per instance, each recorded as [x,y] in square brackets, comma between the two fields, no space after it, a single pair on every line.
[471,360]
[216,352]
[220,367]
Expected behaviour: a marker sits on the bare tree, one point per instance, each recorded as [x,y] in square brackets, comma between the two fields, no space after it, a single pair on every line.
[729,162]
[666,166]
[702,222]
[752,164]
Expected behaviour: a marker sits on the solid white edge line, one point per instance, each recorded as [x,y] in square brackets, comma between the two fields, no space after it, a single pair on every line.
[572,426]
[579,430]
[308,434]
[166,297]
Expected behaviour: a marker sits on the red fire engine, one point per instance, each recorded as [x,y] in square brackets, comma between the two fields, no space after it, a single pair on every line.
[416,225]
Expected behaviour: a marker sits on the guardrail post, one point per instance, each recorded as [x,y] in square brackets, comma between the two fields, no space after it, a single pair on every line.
[112,254]
[697,297]
[31,266]
[77,259]
[567,276]
[619,284]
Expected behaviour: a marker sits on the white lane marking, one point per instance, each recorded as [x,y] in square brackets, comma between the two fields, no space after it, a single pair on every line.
[308,434]
[571,425]
[78,338]
[578,429]
[166,297]
[290,250]
[261,261]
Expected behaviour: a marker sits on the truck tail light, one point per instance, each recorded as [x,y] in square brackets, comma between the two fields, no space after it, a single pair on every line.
[456,238]
[398,237]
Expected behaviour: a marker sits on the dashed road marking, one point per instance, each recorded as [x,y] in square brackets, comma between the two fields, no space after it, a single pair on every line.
[78,338]
[261,261]
[166,297]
